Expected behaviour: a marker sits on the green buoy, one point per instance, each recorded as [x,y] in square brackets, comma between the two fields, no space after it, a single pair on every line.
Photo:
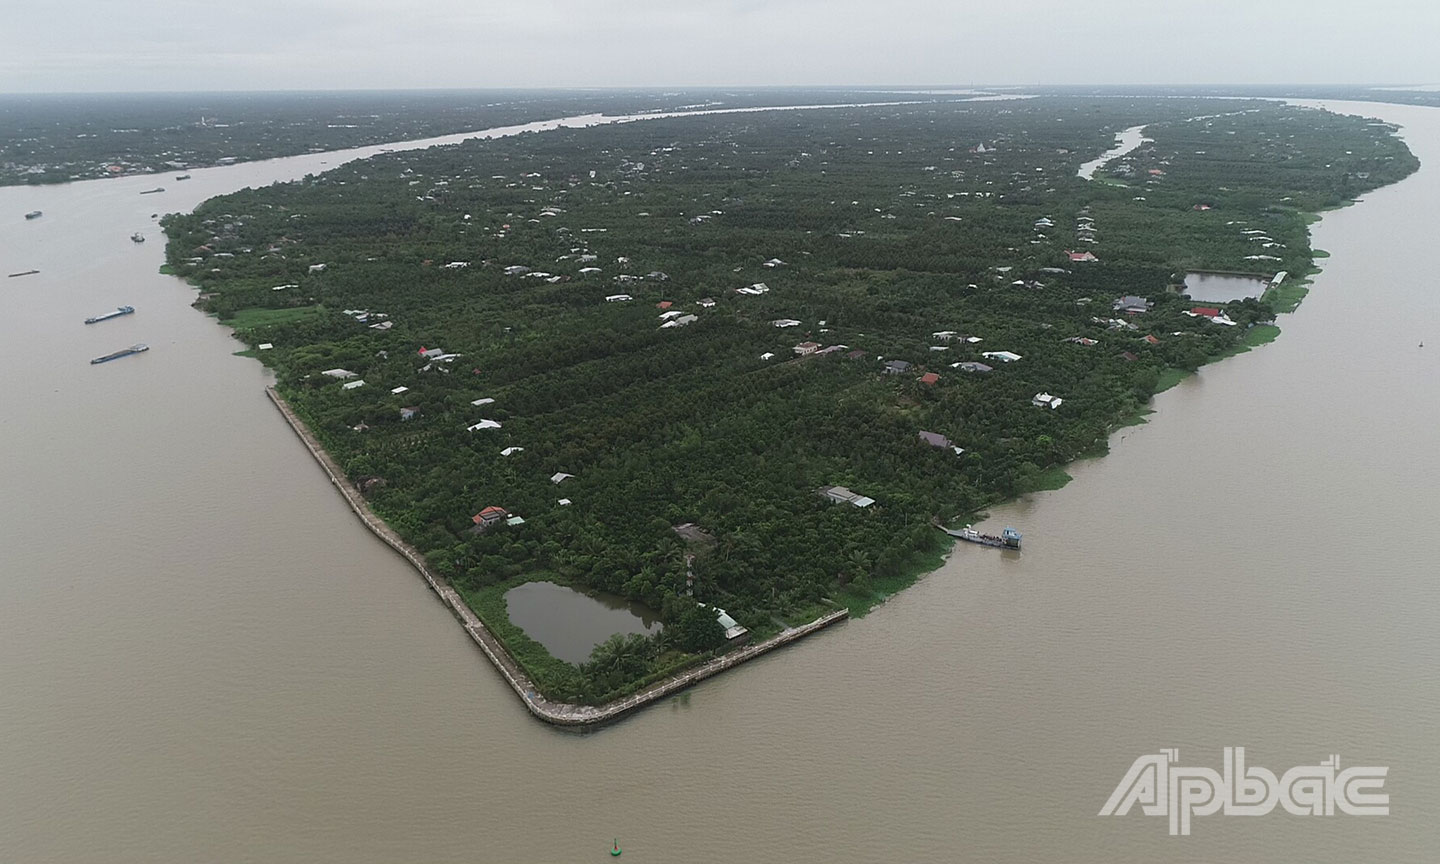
[615,849]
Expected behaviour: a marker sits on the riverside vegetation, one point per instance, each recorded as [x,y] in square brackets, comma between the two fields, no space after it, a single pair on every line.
[893,232]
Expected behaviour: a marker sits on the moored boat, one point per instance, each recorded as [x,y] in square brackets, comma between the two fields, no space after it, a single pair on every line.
[34,214]
[138,237]
[1008,539]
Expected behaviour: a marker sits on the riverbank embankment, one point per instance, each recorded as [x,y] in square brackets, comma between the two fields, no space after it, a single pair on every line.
[558,713]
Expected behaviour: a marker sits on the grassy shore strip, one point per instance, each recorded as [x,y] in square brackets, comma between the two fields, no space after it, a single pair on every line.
[558,713]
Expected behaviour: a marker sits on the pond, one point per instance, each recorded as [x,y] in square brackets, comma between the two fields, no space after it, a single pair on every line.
[570,623]
[1223,287]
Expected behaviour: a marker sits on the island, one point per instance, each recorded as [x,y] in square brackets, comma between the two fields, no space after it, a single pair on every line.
[731,371]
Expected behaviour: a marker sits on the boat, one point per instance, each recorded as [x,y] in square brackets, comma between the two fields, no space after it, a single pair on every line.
[182,177]
[123,310]
[24,273]
[153,191]
[34,214]
[1008,539]
[124,352]
[138,237]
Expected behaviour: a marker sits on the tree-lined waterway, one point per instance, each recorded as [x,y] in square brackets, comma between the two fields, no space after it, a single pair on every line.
[205,656]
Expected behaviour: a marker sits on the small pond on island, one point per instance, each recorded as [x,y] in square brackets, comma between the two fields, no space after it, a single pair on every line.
[1223,287]
[570,623]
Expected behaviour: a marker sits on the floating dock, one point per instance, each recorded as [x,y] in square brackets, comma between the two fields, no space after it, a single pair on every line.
[124,352]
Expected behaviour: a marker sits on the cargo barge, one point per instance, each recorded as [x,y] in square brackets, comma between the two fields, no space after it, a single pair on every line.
[123,310]
[125,352]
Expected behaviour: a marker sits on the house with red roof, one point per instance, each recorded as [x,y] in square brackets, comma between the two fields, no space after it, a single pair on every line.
[664,304]
[1151,339]
[489,516]
[1205,311]
[929,378]
[1081,256]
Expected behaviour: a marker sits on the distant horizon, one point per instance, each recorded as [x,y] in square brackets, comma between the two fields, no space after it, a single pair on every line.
[623,88]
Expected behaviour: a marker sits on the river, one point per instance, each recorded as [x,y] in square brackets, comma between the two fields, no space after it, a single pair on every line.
[205,657]
[1126,140]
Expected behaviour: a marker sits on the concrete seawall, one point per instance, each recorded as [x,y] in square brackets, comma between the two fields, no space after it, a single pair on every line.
[559,713]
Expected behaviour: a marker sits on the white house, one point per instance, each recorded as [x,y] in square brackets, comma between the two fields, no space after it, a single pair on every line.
[483,424]
[511,450]
[1045,400]
[841,495]
[785,322]
[485,401]
[618,298]
[560,476]
[351,385]
[338,373]
[768,355]
[398,390]
[1003,356]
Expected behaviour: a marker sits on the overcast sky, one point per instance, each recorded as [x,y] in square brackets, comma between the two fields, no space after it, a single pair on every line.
[105,45]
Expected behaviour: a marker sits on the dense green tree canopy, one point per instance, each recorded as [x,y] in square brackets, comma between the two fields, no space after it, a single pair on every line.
[930,234]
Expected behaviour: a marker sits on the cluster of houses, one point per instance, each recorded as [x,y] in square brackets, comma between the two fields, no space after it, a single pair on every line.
[1085,228]
[375,320]
[1257,235]
[1210,313]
